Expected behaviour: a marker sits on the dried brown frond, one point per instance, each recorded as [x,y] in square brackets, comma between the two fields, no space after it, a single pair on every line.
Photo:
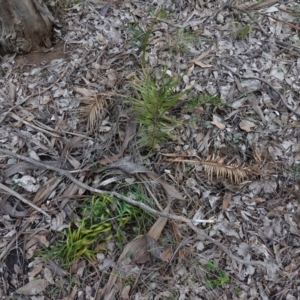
[215,166]
[259,152]
[94,111]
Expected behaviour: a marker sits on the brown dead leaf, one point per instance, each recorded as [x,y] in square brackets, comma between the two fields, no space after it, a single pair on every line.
[134,251]
[112,77]
[202,65]
[56,268]
[157,228]
[46,189]
[197,61]
[258,199]
[170,190]
[73,294]
[283,21]
[77,266]
[94,109]
[167,254]
[18,168]
[75,142]
[137,250]
[3,243]
[81,190]
[84,92]
[30,252]
[125,292]
[203,145]
[35,270]
[42,239]
[73,161]
[12,91]
[154,247]
[70,191]
[48,275]
[218,124]
[246,125]
[33,287]
[226,200]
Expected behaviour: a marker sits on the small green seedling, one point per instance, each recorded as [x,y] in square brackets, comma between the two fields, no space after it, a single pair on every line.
[137,36]
[140,36]
[182,39]
[243,31]
[295,170]
[14,185]
[153,100]
[202,99]
[163,13]
[237,138]
[217,278]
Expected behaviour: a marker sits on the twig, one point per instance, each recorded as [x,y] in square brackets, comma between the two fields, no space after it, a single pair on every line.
[283,21]
[17,195]
[170,23]
[140,205]
[286,45]
[150,192]
[55,133]
[17,118]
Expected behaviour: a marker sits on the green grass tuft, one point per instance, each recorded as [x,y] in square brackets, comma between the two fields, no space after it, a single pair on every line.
[101,218]
[195,101]
[217,278]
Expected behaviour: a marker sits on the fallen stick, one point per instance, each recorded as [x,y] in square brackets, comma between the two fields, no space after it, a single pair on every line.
[20,197]
[140,205]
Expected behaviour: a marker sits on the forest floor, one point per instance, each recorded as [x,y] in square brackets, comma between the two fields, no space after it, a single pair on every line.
[153,153]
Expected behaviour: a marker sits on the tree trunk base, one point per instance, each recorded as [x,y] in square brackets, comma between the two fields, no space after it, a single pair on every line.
[25,25]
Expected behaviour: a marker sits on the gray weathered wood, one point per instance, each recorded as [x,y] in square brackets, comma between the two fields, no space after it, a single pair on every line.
[25,25]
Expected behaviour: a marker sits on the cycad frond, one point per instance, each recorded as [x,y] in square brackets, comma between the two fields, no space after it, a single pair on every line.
[215,166]
[94,111]
[154,99]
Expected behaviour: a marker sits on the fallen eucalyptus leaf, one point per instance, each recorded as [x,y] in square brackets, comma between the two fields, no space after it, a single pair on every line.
[33,287]
[246,125]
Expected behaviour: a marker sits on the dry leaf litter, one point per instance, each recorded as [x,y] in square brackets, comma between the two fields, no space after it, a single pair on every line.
[230,174]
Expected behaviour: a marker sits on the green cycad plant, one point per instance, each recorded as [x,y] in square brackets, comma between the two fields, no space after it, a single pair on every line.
[140,37]
[153,100]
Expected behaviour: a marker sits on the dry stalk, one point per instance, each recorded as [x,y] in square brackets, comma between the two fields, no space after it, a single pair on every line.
[215,165]
[20,197]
